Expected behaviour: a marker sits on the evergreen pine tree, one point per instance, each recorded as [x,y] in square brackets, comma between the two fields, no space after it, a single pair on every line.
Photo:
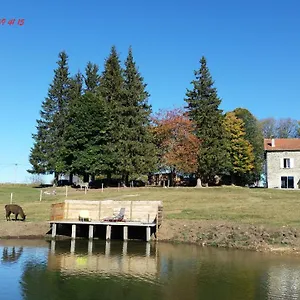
[112,92]
[203,108]
[92,77]
[46,154]
[136,146]
[86,135]
[70,140]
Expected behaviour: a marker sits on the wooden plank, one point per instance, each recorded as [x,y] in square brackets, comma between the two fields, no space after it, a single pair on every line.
[99,216]
[137,224]
[142,211]
[130,210]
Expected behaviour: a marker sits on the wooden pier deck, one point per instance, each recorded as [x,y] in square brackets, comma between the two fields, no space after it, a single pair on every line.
[108,225]
[139,215]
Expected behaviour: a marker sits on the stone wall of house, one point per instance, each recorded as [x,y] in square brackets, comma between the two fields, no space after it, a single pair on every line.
[275,169]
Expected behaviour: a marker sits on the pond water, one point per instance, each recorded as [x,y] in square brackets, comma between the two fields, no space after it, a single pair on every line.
[137,270]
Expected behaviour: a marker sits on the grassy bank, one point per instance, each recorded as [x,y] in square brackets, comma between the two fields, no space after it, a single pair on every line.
[234,204]
[234,217]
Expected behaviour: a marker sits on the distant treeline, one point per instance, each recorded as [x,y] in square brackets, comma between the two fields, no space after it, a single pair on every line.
[94,124]
[280,128]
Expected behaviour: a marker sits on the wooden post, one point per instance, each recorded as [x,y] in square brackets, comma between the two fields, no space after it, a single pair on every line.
[148,232]
[148,250]
[85,189]
[118,186]
[125,233]
[107,248]
[156,232]
[11,198]
[102,188]
[41,195]
[90,246]
[124,250]
[73,231]
[168,182]
[66,191]
[91,231]
[54,230]
[108,232]
[72,250]
[52,246]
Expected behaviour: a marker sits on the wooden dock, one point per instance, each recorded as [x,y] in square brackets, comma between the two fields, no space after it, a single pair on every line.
[139,215]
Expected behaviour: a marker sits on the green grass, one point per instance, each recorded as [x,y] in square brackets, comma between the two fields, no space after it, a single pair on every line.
[235,204]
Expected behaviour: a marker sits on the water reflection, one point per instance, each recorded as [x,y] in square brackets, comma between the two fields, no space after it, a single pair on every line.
[11,255]
[136,270]
[113,258]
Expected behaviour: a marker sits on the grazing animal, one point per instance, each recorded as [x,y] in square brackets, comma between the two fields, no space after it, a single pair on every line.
[15,209]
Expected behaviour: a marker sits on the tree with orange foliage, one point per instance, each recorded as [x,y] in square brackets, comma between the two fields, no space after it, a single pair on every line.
[240,150]
[174,136]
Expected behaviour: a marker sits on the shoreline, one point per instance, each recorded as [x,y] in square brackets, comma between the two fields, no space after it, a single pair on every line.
[223,234]
[220,234]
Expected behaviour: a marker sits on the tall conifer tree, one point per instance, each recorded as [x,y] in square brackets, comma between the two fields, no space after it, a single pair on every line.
[203,108]
[46,154]
[70,139]
[136,146]
[91,77]
[112,91]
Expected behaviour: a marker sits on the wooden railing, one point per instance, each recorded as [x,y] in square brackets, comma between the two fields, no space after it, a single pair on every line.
[135,211]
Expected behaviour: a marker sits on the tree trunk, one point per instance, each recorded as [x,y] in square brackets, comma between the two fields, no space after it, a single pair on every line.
[71,179]
[199,185]
[124,180]
[108,179]
[172,177]
[56,175]
[86,177]
[233,181]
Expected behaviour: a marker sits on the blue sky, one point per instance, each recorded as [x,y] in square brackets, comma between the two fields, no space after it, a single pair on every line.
[252,50]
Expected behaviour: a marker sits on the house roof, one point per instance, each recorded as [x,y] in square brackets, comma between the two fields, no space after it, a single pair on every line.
[282,144]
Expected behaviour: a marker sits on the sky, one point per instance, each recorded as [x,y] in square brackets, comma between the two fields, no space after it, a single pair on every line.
[252,50]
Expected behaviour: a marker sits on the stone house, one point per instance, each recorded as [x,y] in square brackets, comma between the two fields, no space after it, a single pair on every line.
[282,163]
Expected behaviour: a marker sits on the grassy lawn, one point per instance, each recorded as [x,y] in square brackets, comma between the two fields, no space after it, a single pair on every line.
[234,204]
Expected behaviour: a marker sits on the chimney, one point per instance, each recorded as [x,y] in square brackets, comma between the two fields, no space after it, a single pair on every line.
[273,142]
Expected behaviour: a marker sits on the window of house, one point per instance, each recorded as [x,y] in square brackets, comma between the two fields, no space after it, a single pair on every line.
[286,163]
[287,182]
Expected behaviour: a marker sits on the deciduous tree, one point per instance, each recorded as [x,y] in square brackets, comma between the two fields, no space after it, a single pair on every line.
[178,145]
[240,150]
[253,134]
